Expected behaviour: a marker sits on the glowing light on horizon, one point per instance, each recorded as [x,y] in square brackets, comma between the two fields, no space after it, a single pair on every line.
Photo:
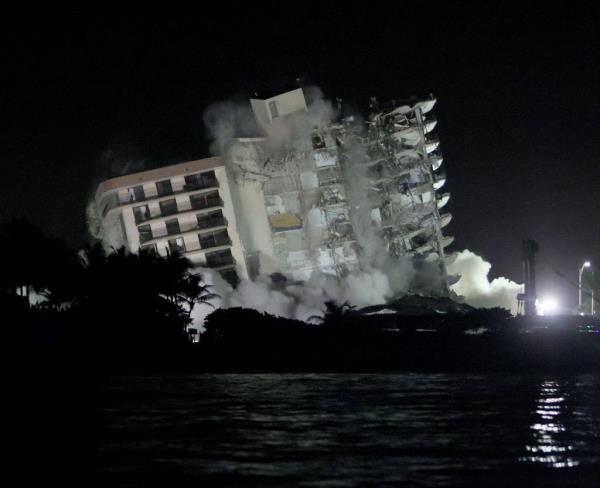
[548,306]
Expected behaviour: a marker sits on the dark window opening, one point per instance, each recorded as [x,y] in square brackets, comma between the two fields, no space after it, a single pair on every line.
[211,219]
[206,201]
[164,188]
[219,258]
[214,239]
[136,194]
[141,214]
[177,245]
[168,207]
[173,226]
[199,181]
[145,233]
[150,249]
[231,277]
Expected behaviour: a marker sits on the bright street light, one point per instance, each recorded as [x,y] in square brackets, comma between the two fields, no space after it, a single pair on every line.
[548,306]
[587,264]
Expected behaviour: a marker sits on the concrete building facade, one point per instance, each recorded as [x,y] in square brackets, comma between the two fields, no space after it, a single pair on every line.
[311,192]
[185,207]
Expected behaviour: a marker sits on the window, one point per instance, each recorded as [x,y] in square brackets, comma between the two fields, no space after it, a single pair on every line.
[230,276]
[168,207]
[211,219]
[164,188]
[150,249]
[135,194]
[199,181]
[273,109]
[172,227]
[145,233]
[219,258]
[214,239]
[206,200]
[176,245]
[141,214]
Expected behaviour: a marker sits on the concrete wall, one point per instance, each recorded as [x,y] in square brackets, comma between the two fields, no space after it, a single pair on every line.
[287,103]
[237,249]
[253,225]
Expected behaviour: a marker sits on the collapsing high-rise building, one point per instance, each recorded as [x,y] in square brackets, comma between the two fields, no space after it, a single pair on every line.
[334,194]
[312,191]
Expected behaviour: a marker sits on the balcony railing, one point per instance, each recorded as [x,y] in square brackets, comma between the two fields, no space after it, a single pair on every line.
[205,184]
[141,218]
[195,205]
[220,261]
[175,247]
[165,212]
[113,201]
[207,203]
[216,242]
[145,237]
[213,223]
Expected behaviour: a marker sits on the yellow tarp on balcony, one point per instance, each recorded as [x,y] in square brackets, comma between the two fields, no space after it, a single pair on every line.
[285,221]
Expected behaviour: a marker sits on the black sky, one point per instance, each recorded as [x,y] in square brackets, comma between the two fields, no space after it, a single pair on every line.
[517,89]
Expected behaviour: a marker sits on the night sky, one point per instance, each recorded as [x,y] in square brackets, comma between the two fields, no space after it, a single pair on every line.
[517,91]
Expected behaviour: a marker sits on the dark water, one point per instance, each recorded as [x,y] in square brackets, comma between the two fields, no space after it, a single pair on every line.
[326,430]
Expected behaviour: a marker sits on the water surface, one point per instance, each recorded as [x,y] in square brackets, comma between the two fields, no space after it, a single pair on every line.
[335,430]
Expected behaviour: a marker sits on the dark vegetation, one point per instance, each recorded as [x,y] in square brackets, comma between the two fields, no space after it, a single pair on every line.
[349,341]
[121,311]
[101,310]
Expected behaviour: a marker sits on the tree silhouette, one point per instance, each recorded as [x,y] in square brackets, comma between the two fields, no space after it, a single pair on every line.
[334,314]
[196,291]
[32,262]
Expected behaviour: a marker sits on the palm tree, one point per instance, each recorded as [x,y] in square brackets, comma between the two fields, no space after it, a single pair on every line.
[196,291]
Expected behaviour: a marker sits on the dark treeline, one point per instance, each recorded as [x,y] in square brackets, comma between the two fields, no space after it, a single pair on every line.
[477,340]
[92,308]
[122,311]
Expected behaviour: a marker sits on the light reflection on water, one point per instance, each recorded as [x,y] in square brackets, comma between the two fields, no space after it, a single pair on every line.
[326,430]
[549,447]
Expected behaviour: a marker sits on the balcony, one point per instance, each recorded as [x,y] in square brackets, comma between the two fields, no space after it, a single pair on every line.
[146,236]
[167,210]
[442,199]
[209,241]
[204,185]
[429,123]
[112,201]
[141,214]
[211,223]
[439,179]
[202,204]
[219,259]
[215,243]
[176,245]
[431,144]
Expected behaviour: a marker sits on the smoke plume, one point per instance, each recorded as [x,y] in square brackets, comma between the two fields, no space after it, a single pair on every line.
[475,286]
[303,300]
